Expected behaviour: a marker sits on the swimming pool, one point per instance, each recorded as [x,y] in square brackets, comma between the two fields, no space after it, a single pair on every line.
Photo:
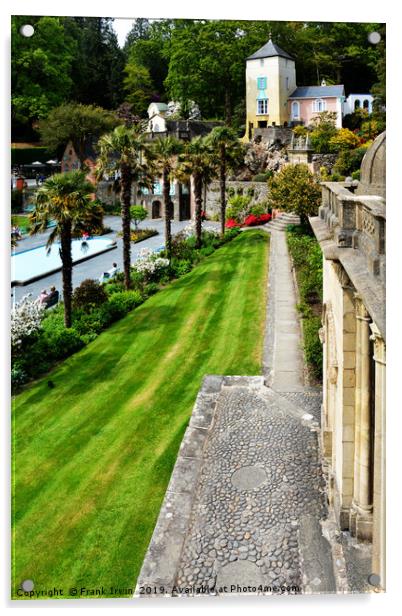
[30,265]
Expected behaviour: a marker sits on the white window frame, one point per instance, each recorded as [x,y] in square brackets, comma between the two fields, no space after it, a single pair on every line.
[264,102]
[295,105]
[319,105]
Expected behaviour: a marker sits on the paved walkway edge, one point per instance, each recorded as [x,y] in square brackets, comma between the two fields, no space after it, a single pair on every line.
[161,562]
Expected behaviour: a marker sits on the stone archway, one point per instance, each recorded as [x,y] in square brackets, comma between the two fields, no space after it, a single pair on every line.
[156,209]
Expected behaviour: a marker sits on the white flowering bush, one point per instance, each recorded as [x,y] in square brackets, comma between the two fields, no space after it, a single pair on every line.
[149,263]
[26,318]
[189,230]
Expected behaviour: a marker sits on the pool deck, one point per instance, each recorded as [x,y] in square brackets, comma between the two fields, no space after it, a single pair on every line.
[93,267]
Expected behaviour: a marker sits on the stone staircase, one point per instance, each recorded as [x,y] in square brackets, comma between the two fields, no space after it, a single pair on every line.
[283,220]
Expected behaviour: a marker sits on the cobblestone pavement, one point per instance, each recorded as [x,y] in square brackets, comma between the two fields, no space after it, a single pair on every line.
[247,503]
[260,485]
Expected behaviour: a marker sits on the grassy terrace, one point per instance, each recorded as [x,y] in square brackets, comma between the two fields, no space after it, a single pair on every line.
[93,456]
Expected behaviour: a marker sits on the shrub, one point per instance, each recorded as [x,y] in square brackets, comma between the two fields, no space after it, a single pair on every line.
[115,287]
[150,289]
[230,234]
[238,207]
[205,251]
[89,295]
[307,259]
[18,375]
[324,128]
[295,189]
[26,319]
[62,342]
[179,268]
[312,345]
[356,174]
[258,210]
[300,131]
[150,265]
[350,160]
[121,303]
[344,139]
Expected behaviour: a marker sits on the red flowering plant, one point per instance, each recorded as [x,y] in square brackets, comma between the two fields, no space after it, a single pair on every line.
[231,223]
[251,220]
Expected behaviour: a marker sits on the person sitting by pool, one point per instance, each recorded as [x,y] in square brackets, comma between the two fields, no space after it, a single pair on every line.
[52,298]
[43,296]
[16,232]
[113,271]
[109,274]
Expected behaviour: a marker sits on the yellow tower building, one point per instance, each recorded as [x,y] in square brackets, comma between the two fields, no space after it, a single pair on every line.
[270,79]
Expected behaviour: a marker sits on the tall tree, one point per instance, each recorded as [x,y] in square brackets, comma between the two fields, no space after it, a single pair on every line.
[166,151]
[198,163]
[228,150]
[138,85]
[125,151]
[99,62]
[75,122]
[379,89]
[66,198]
[40,67]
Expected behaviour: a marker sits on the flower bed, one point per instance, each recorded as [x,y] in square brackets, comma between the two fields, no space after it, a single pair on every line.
[250,221]
[142,234]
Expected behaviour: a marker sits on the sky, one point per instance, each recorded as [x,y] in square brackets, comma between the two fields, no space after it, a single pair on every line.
[122,27]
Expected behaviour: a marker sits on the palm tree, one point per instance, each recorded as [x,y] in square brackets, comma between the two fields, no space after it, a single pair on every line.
[228,149]
[125,150]
[198,163]
[166,151]
[67,199]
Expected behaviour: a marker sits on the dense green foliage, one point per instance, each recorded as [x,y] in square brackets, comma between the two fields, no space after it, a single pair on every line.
[294,189]
[67,59]
[99,444]
[307,259]
[138,213]
[75,122]
[78,59]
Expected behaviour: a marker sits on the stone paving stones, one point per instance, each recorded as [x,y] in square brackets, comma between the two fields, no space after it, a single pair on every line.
[251,495]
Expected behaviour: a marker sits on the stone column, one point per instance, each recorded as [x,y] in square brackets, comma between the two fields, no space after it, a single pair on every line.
[378,562]
[362,506]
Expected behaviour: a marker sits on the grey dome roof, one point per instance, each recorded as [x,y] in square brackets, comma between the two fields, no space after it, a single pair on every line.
[372,170]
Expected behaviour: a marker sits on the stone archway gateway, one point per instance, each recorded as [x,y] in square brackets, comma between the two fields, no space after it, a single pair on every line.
[156,209]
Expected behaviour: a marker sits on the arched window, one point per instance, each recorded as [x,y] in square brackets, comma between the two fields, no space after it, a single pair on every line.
[366,104]
[156,128]
[357,104]
[319,105]
[295,110]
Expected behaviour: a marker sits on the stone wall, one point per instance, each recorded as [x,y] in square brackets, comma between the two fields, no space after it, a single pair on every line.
[274,133]
[258,191]
[323,160]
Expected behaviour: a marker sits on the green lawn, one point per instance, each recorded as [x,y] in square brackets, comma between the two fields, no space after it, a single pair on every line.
[20,220]
[93,456]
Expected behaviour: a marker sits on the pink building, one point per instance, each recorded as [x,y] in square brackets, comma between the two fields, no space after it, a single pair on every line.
[307,101]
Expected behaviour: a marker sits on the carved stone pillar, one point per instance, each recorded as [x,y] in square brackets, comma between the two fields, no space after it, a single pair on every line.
[361,521]
[378,563]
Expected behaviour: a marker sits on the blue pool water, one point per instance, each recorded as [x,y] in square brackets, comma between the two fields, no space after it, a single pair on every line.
[33,264]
